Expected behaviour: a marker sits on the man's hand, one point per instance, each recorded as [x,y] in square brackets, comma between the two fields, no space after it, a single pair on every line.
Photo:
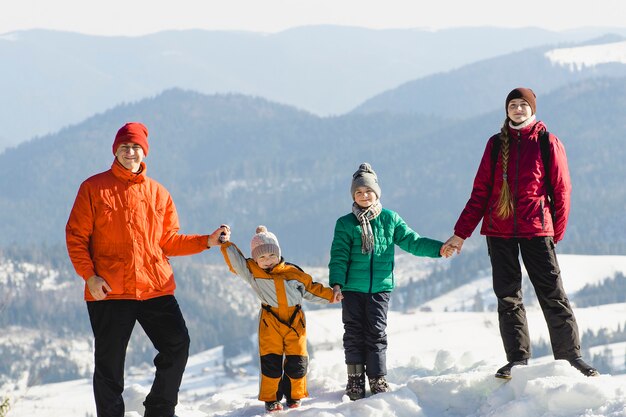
[219,236]
[98,287]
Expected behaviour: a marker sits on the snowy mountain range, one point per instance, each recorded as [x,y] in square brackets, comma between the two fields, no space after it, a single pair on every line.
[485,82]
[441,364]
[326,70]
[581,57]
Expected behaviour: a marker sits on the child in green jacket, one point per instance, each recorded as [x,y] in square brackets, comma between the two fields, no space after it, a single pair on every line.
[361,268]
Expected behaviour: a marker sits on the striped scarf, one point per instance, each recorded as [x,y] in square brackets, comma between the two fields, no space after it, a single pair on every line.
[364,216]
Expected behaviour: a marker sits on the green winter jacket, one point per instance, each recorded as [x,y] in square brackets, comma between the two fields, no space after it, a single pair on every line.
[373,273]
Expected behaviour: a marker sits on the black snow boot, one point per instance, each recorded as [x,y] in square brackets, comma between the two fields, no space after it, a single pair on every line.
[355,389]
[505,371]
[378,384]
[584,367]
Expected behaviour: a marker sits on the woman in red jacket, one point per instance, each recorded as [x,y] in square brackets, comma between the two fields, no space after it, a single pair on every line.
[510,195]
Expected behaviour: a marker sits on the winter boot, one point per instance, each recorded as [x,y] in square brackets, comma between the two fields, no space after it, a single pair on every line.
[584,367]
[272,406]
[355,389]
[378,384]
[505,371]
[293,403]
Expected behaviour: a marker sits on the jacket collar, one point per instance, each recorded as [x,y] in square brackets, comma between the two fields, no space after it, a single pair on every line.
[280,267]
[527,130]
[126,175]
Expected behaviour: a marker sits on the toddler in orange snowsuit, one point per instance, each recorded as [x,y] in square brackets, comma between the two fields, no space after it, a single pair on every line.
[280,286]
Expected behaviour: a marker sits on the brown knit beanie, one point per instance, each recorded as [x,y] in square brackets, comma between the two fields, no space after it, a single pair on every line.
[264,242]
[365,177]
[525,94]
[133,132]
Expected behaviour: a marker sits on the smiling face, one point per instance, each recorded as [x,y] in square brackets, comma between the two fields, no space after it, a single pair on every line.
[365,197]
[267,260]
[130,156]
[519,110]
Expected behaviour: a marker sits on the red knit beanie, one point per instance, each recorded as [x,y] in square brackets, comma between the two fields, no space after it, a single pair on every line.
[133,132]
[525,94]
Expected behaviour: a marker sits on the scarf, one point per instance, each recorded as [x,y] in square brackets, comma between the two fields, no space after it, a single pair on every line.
[522,125]
[364,216]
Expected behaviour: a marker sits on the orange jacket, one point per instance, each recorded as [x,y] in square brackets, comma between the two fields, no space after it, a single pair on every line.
[282,288]
[123,227]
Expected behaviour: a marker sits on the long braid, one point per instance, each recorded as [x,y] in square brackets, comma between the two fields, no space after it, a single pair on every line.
[505,201]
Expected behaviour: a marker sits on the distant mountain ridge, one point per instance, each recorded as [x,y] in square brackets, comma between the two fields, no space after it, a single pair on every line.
[473,89]
[324,69]
[247,161]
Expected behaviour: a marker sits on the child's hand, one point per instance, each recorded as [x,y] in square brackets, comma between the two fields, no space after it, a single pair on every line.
[337,295]
[220,235]
[455,242]
[225,235]
[447,251]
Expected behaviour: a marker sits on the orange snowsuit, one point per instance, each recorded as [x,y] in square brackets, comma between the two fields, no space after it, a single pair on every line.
[123,227]
[282,325]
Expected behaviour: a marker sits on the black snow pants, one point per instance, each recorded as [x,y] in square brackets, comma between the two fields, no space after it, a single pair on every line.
[112,322]
[539,257]
[365,324]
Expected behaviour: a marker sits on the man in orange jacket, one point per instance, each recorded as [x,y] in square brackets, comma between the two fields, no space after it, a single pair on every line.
[121,230]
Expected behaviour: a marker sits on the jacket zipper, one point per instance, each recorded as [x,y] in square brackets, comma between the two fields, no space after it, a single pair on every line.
[371,271]
[543,220]
[519,142]
[372,262]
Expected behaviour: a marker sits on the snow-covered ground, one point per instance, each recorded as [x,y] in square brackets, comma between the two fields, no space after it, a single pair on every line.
[588,56]
[576,272]
[440,364]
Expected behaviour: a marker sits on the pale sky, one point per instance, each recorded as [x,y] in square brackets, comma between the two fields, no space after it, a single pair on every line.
[139,17]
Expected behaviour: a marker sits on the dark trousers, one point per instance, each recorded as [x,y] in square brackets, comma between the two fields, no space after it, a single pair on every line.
[539,257]
[112,322]
[365,323]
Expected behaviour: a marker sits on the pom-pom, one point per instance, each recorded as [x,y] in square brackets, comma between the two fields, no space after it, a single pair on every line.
[261,229]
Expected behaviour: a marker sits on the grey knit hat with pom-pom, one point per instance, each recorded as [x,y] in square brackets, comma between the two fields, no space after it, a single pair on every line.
[264,242]
[365,177]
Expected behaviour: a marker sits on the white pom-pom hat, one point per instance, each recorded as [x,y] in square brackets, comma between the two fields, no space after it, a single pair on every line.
[264,242]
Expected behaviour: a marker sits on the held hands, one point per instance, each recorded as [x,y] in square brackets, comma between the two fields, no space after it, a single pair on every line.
[451,245]
[98,287]
[219,236]
[446,251]
[337,295]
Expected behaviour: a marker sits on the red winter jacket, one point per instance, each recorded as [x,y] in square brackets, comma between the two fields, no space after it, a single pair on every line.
[531,216]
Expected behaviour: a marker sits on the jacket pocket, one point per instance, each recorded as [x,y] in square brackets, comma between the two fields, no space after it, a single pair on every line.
[299,324]
[112,271]
[163,273]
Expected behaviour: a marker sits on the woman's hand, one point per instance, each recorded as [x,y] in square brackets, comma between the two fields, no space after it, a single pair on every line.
[454,243]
